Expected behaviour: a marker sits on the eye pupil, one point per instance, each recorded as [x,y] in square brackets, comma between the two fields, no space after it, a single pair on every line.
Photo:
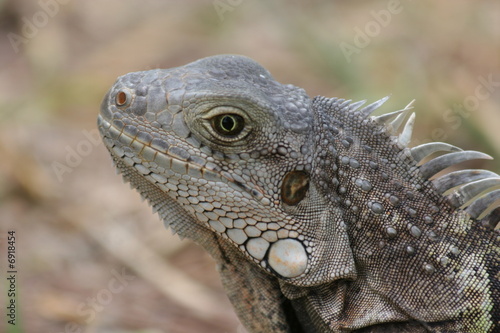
[228,125]
[121,98]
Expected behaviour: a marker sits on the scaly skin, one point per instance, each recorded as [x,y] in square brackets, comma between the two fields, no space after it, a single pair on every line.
[319,216]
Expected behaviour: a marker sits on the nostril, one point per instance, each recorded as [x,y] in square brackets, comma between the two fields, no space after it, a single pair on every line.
[121,98]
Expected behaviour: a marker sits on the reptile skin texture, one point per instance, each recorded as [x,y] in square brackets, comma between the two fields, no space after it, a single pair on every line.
[320,216]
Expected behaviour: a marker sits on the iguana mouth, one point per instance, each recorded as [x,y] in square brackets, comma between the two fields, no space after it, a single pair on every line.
[135,151]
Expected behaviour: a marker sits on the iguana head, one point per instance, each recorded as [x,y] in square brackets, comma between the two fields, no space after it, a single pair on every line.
[218,147]
[232,147]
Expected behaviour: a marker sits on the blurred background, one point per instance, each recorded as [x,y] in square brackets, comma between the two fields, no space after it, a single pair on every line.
[91,257]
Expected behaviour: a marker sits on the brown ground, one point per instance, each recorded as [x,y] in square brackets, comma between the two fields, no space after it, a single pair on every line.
[77,225]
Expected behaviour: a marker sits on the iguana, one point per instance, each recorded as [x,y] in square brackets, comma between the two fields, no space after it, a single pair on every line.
[319,215]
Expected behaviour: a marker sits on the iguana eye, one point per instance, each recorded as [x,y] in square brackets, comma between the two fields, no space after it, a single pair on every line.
[224,125]
[228,125]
